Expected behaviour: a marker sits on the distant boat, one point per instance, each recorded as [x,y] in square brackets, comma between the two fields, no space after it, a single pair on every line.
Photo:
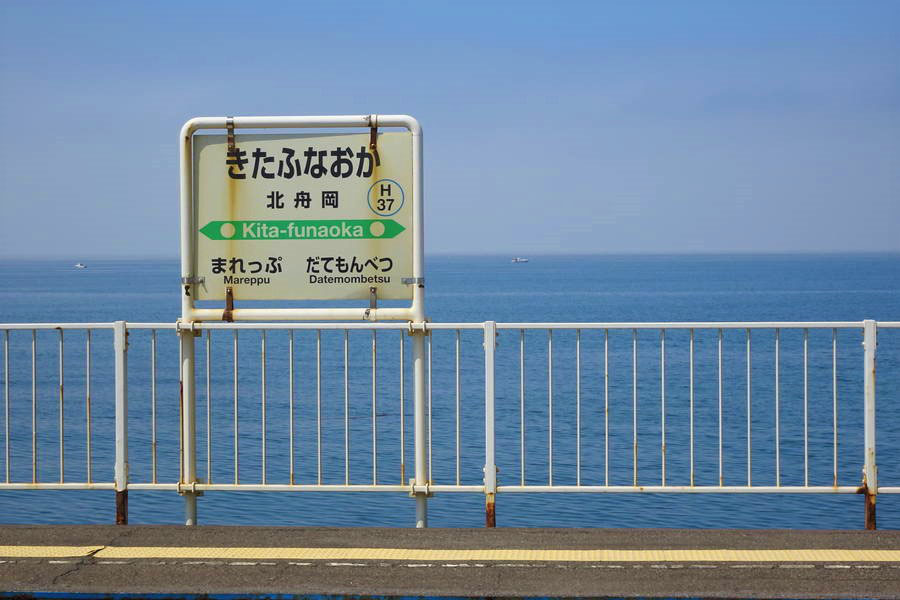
[519,259]
[80,266]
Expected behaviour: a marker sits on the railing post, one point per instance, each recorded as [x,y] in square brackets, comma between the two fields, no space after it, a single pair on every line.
[120,347]
[188,424]
[420,443]
[870,474]
[490,468]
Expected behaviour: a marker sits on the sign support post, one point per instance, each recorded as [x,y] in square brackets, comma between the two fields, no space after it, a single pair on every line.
[421,446]
[186,341]
[188,426]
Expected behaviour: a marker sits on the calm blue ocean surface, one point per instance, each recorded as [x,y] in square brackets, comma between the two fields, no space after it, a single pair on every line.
[467,289]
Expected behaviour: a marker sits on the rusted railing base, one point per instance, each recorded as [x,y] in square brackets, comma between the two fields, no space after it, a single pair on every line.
[122,508]
[870,510]
[490,513]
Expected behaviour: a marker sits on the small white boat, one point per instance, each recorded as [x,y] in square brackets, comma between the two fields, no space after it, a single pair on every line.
[80,266]
[519,259]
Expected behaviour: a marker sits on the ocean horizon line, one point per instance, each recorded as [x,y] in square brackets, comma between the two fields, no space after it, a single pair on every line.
[502,254]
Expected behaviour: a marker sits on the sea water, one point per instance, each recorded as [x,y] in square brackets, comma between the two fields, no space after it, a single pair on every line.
[588,444]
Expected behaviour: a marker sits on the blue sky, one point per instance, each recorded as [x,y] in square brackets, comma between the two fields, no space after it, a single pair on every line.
[564,127]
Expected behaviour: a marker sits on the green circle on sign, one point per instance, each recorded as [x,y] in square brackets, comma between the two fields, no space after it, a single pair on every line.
[376,229]
[227,230]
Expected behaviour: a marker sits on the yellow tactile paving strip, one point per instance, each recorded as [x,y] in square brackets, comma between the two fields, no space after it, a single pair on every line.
[46,551]
[449,555]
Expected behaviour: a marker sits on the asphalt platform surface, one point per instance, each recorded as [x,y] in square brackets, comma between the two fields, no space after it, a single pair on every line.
[503,562]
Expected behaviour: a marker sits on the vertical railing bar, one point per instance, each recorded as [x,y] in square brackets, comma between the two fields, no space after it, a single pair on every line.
[749,413]
[87,406]
[120,349]
[402,409]
[374,407]
[719,375]
[806,407]
[777,407]
[490,463]
[62,445]
[319,406]
[153,405]
[6,398]
[606,407]
[263,397]
[662,393]
[634,405]
[834,409]
[430,453]
[208,406]
[34,458]
[550,403]
[291,396]
[691,404]
[521,407]
[457,406]
[235,411]
[577,407]
[346,407]
[870,469]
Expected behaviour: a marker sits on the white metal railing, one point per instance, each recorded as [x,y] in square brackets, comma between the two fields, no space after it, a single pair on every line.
[697,397]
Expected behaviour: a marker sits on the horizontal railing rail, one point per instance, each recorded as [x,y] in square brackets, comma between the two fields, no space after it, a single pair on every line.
[662,407]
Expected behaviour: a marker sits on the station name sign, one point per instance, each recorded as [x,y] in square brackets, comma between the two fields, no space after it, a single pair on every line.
[303,217]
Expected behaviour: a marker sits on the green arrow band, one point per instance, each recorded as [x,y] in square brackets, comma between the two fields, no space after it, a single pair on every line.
[339,229]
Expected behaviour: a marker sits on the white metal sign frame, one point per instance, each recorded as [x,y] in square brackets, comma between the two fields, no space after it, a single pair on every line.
[415,312]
